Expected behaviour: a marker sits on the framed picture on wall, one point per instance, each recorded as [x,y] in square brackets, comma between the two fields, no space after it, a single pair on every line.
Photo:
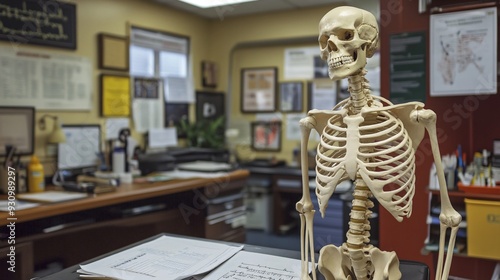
[258,89]
[209,74]
[174,114]
[291,96]
[113,52]
[322,94]
[209,105]
[266,136]
[147,88]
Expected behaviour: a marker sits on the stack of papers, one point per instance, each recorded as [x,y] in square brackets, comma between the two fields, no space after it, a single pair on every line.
[205,166]
[163,258]
[18,205]
[248,265]
[52,196]
[174,258]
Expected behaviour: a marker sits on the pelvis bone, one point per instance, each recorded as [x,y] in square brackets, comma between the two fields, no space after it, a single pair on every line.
[335,264]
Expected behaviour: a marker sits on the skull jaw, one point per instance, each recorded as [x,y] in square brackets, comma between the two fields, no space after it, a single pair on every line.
[349,69]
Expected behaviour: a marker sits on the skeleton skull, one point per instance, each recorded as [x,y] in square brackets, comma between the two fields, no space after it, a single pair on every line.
[347,36]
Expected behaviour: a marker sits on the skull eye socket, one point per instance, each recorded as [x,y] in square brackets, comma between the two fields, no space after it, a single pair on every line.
[323,41]
[346,35]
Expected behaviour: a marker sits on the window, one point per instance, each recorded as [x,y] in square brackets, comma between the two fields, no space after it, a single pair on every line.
[155,54]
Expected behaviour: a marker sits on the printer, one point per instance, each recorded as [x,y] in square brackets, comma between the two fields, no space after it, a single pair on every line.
[168,160]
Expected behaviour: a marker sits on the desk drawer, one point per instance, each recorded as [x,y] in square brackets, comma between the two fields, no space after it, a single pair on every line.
[224,204]
[223,227]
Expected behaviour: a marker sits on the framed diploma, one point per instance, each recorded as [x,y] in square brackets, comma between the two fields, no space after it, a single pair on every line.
[258,89]
[113,52]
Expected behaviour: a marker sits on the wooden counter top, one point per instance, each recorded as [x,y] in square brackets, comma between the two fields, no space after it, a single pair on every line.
[124,193]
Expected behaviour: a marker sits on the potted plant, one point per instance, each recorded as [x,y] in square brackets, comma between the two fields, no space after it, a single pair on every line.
[204,133]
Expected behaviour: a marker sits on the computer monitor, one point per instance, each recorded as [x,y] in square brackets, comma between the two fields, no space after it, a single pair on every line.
[17,128]
[80,153]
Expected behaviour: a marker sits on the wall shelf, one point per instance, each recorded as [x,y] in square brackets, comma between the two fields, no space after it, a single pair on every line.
[461,194]
[478,267]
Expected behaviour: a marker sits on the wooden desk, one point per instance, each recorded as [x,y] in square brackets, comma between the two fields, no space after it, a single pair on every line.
[73,231]
[285,184]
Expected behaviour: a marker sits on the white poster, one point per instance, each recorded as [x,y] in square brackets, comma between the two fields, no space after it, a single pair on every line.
[147,105]
[463,49]
[299,63]
[323,95]
[46,81]
[293,127]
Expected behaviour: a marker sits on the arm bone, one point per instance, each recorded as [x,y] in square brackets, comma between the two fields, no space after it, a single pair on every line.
[449,217]
[304,206]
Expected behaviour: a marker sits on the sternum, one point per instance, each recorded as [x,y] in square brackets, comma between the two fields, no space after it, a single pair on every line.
[352,146]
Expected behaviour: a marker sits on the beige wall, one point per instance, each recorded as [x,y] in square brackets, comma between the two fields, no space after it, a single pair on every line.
[232,46]
[210,39]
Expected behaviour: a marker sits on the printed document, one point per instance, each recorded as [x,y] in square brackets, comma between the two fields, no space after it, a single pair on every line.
[163,258]
[250,266]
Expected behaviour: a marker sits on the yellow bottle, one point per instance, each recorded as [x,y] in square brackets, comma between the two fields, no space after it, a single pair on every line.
[36,178]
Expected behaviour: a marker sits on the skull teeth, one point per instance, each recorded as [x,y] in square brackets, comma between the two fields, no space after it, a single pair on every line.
[340,60]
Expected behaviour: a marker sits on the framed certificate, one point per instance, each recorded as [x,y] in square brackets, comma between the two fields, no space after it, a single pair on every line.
[258,89]
[113,52]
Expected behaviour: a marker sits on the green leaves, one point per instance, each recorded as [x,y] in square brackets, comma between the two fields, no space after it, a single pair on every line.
[204,133]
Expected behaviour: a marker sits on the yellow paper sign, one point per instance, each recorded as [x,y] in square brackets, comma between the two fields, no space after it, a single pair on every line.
[115,92]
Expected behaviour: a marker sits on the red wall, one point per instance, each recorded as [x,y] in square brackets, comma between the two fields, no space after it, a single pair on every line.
[472,121]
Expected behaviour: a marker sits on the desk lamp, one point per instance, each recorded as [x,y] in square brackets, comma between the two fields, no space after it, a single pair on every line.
[55,137]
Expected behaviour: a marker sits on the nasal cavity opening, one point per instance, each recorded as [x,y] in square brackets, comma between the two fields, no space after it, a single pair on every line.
[332,46]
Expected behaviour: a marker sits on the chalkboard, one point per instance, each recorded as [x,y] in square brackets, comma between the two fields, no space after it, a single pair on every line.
[38,22]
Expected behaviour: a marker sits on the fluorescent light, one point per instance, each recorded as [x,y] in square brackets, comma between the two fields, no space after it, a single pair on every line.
[213,3]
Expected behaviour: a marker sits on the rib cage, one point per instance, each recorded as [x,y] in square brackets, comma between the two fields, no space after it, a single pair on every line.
[383,158]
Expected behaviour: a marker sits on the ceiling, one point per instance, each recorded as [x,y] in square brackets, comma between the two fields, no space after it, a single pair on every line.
[260,6]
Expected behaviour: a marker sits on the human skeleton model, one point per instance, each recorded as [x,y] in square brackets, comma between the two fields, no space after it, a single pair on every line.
[372,142]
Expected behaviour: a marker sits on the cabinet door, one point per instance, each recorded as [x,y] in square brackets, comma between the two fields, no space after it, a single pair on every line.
[226,218]
[22,261]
